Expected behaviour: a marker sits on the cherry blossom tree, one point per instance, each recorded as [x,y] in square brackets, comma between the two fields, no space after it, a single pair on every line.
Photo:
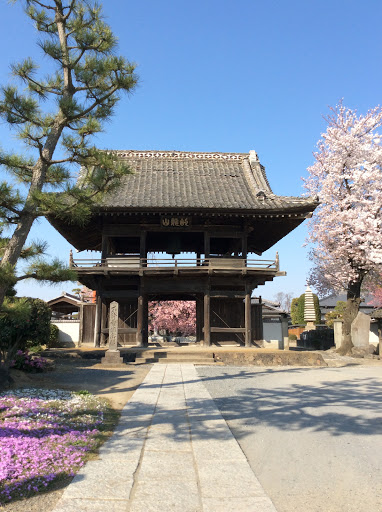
[346,228]
[375,289]
[175,316]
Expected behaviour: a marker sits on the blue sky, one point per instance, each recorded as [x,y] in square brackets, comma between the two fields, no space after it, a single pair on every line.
[228,76]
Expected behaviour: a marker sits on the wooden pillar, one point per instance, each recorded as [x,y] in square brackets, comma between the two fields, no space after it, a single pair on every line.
[103,324]
[98,317]
[248,323]
[145,322]
[81,333]
[199,319]
[206,244]
[139,341]
[142,247]
[105,247]
[207,318]
[244,245]
[142,319]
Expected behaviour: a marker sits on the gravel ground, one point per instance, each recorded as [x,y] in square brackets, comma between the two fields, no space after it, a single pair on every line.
[313,436]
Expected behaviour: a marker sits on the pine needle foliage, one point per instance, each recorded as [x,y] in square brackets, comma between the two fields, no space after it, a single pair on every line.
[55,115]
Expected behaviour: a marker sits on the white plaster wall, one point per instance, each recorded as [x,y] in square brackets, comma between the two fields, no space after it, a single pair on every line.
[373,335]
[69,332]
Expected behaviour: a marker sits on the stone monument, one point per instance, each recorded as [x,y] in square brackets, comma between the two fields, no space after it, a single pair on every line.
[360,331]
[113,356]
[309,312]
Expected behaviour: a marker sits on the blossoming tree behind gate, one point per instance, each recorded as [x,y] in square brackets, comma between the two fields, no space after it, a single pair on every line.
[175,316]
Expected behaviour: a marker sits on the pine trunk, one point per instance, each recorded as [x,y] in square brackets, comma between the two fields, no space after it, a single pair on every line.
[351,310]
[30,213]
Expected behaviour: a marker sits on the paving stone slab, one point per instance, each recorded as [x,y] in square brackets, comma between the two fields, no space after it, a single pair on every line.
[169,465]
[81,505]
[176,496]
[238,504]
[117,480]
[228,479]
[126,447]
[217,451]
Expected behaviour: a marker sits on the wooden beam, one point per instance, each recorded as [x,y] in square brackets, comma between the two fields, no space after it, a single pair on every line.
[121,330]
[227,329]
[228,294]
[120,294]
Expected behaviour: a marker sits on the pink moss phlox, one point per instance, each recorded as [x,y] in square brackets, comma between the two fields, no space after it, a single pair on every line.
[41,440]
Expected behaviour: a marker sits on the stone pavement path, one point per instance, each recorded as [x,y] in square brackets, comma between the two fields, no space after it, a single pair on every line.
[171,451]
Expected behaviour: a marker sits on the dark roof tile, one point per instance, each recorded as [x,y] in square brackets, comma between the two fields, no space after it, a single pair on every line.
[205,181]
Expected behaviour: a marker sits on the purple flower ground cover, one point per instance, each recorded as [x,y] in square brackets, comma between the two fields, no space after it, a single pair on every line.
[45,435]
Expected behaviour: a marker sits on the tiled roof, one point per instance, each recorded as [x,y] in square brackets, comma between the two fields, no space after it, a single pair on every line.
[202,181]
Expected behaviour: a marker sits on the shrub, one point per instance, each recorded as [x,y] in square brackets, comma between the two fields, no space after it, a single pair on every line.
[336,313]
[53,336]
[24,361]
[38,330]
[24,323]
[292,337]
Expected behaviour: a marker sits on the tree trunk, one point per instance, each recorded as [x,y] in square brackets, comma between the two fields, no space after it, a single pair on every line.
[351,310]
[29,214]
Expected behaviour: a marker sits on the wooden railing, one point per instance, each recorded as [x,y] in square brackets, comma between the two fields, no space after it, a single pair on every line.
[134,263]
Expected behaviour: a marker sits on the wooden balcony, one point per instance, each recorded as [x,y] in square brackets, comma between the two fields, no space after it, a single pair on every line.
[151,266]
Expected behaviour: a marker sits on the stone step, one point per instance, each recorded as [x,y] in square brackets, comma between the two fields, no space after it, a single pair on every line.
[227,343]
[170,353]
[145,360]
[190,361]
[176,358]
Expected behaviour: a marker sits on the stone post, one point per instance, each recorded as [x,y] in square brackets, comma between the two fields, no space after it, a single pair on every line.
[113,357]
[337,327]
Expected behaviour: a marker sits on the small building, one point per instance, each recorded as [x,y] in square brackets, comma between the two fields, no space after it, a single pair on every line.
[74,318]
[185,226]
[275,324]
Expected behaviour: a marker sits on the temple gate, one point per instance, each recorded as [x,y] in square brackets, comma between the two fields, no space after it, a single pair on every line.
[185,226]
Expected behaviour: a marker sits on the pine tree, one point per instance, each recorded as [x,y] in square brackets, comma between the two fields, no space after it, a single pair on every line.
[54,116]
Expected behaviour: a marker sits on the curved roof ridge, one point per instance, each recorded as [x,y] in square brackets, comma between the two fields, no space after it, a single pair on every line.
[197,155]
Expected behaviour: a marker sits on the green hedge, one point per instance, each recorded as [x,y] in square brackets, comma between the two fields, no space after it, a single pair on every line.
[24,323]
